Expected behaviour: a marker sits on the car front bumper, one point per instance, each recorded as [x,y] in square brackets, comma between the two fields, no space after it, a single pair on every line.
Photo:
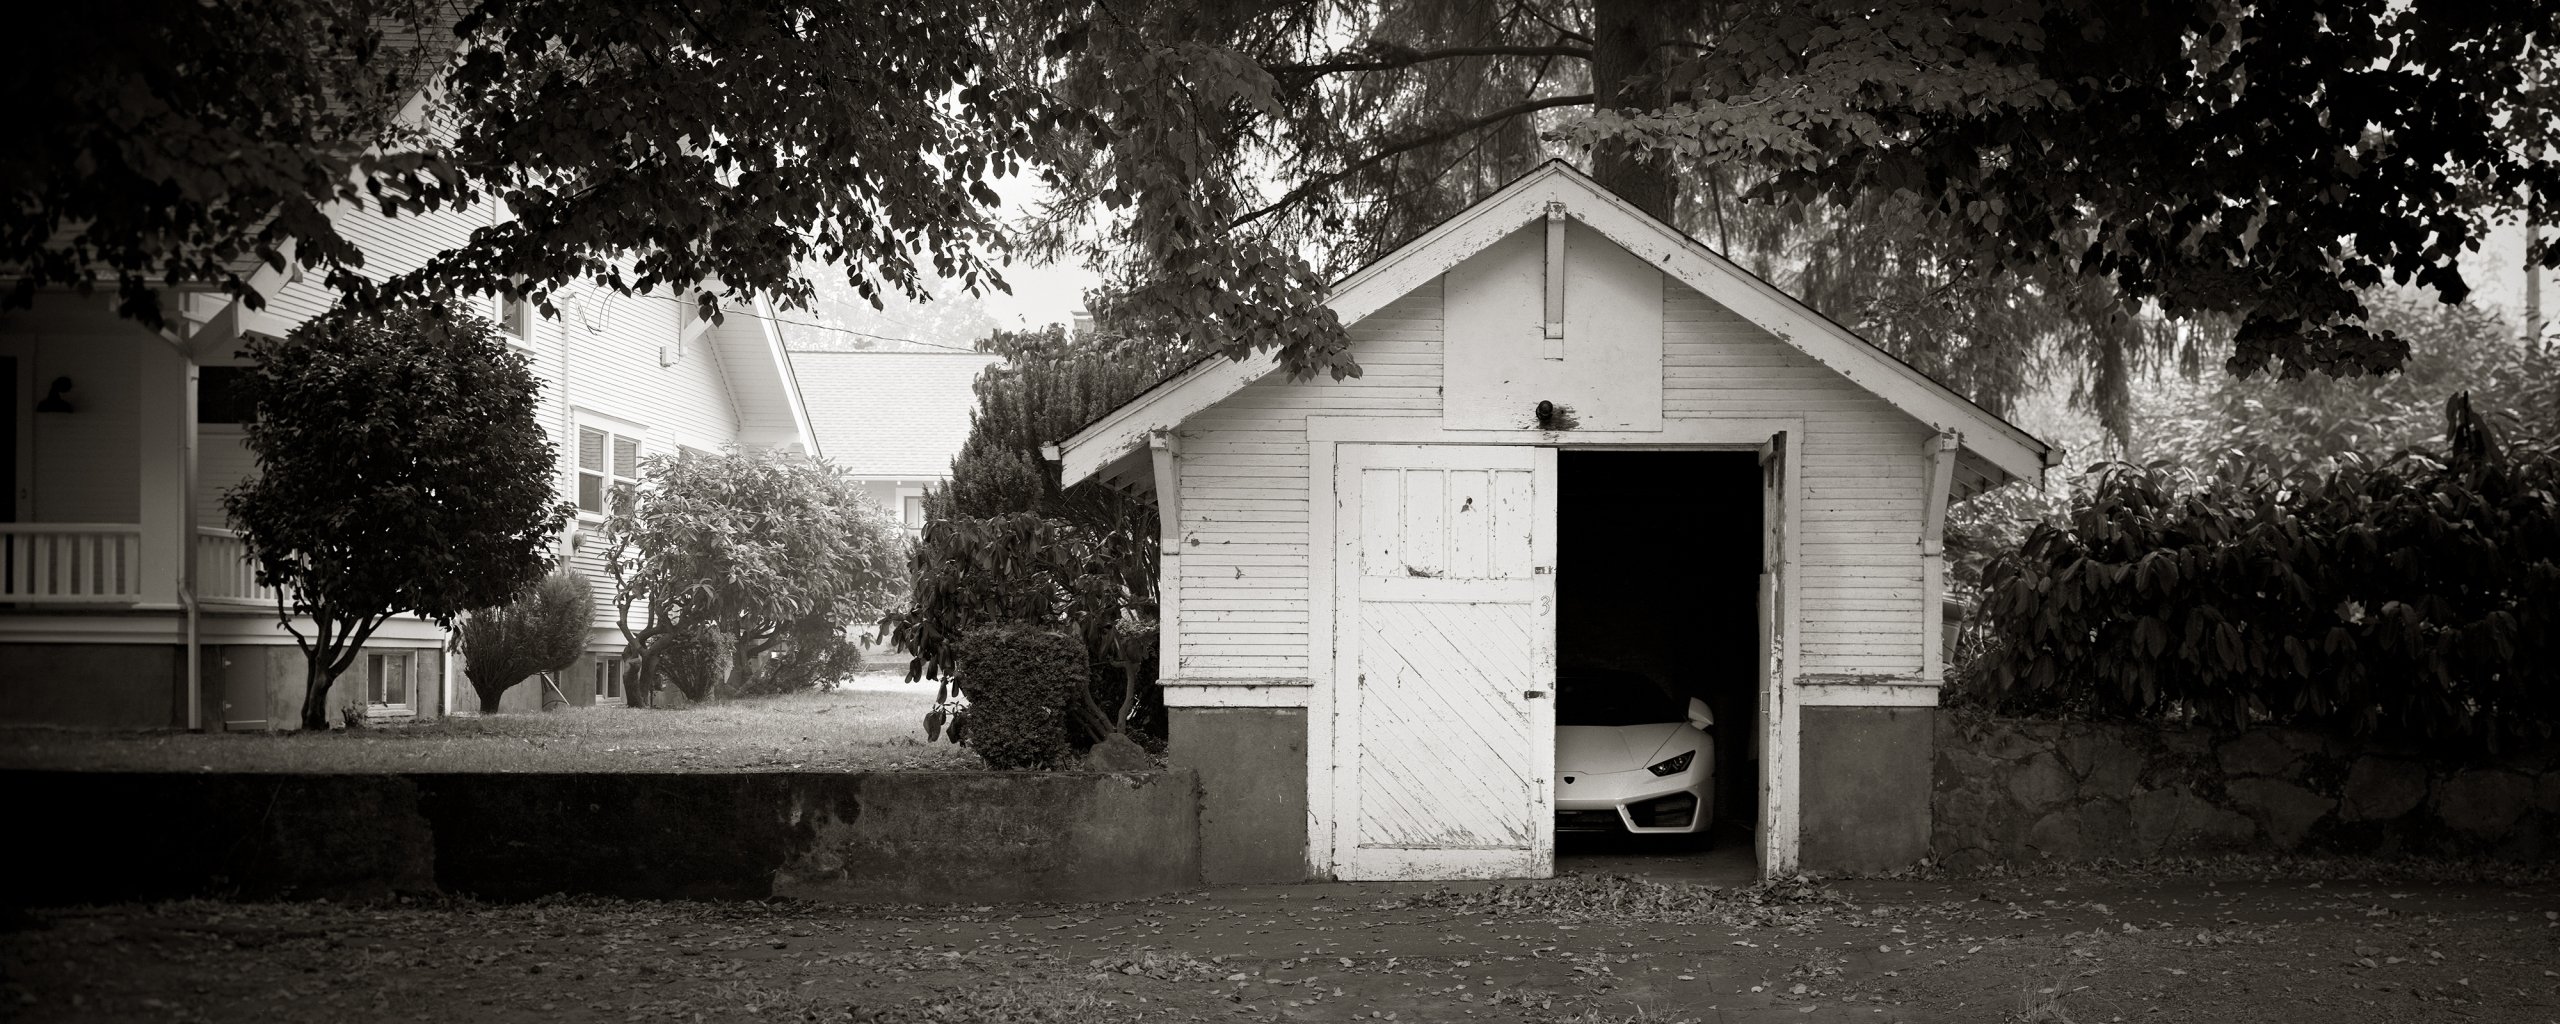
[1637,801]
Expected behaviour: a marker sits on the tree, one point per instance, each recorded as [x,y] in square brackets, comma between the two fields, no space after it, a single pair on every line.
[400,470]
[2249,165]
[1004,542]
[756,545]
[636,148]
[2255,165]
[2305,426]
[541,630]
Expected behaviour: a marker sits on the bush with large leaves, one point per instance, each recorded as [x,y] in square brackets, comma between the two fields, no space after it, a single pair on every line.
[1026,569]
[1007,543]
[774,549]
[2416,597]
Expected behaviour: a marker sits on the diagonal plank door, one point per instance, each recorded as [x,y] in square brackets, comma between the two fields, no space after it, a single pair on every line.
[1445,725]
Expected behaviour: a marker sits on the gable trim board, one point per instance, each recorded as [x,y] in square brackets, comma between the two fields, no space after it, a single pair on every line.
[764,393]
[2000,447]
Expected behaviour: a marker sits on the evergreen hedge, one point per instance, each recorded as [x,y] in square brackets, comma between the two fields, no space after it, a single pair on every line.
[1018,679]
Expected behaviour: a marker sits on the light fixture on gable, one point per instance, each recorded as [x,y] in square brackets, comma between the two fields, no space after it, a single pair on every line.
[57,398]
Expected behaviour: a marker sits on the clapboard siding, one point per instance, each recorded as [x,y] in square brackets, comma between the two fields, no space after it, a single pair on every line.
[1244,493]
[86,467]
[223,461]
[1244,466]
[392,245]
[1858,522]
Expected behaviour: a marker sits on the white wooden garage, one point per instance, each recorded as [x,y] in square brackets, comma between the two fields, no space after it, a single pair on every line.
[1360,576]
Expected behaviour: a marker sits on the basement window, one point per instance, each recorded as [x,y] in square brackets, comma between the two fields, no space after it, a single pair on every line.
[390,684]
[609,680]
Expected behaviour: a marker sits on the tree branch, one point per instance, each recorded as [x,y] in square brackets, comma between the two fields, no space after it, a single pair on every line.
[1326,181]
[1409,58]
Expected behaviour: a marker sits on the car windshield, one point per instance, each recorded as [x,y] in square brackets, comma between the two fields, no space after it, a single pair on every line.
[1615,698]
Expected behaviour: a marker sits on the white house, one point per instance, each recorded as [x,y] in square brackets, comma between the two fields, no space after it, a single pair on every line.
[892,420]
[125,601]
[1583,441]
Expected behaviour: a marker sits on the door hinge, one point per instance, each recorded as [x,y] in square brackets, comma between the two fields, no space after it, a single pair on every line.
[1532,694]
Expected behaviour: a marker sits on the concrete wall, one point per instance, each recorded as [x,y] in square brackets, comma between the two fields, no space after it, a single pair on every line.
[2008,790]
[1252,764]
[918,837]
[259,686]
[1865,789]
[92,686]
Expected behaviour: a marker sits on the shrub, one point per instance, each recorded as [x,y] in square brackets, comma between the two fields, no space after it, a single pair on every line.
[815,659]
[1018,679]
[543,629]
[1124,689]
[820,656]
[2416,598]
[694,657]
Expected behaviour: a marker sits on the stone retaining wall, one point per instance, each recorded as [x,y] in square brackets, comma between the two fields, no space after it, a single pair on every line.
[891,837]
[2009,790]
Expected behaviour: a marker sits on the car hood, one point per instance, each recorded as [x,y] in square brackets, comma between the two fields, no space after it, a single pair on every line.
[1619,748]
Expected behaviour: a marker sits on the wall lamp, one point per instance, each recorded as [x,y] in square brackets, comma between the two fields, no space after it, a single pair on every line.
[55,399]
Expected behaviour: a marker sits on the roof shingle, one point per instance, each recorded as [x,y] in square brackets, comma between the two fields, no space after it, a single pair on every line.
[890,415]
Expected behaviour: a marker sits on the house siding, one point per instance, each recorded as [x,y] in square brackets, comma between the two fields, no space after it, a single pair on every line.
[1244,468]
[86,469]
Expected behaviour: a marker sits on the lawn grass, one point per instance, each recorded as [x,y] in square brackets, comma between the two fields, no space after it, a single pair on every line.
[874,723]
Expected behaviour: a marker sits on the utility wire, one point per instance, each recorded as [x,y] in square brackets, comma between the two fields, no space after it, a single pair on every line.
[826,327]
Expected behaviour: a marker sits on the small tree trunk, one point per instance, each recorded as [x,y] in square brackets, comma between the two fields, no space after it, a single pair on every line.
[315,688]
[489,700]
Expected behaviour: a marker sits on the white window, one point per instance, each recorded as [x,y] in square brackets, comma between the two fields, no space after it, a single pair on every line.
[608,680]
[912,512]
[515,320]
[389,682]
[608,470]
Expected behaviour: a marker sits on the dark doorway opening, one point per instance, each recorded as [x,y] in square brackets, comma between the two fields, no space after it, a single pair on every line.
[1657,597]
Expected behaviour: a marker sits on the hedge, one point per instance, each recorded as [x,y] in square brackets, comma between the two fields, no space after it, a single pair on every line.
[1018,679]
[2416,598]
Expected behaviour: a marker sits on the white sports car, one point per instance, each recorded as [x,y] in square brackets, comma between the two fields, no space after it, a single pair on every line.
[1630,758]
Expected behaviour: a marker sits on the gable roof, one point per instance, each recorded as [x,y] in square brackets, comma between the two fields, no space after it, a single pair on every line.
[2000,450]
[891,415]
[756,369]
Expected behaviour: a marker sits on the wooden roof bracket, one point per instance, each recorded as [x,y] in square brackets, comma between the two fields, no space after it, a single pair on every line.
[1939,452]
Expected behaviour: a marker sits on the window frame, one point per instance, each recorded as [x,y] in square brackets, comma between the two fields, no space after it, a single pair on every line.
[374,678]
[610,667]
[905,493]
[516,319]
[614,429]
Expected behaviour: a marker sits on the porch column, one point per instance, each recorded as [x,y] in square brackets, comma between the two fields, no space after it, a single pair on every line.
[162,381]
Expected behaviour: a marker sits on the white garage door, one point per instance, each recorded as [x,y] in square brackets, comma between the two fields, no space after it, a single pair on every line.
[1445,716]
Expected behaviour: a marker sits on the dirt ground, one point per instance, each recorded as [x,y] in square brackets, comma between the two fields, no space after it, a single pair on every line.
[1582,948]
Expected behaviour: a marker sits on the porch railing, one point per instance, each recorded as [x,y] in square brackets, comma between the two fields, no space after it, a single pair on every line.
[70,563]
[224,573]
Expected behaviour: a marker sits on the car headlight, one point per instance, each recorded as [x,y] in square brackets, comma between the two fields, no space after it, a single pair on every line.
[1674,766]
